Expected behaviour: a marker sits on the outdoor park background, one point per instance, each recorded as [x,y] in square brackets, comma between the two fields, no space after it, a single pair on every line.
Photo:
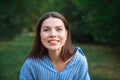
[94,26]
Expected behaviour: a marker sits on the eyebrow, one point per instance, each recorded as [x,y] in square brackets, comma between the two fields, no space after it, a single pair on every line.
[59,26]
[55,27]
[45,27]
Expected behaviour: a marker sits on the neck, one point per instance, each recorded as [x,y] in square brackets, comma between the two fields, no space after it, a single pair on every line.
[54,55]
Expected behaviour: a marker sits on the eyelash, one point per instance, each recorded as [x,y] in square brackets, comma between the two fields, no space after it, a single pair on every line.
[58,29]
[46,30]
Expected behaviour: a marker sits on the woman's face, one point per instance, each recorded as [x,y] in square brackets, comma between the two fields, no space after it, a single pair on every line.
[53,33]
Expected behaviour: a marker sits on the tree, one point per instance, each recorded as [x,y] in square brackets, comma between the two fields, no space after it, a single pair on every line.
[103,21]
[13,17]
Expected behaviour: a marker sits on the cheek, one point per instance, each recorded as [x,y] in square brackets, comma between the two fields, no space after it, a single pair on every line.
[43,39]
[43,36]
[64,36]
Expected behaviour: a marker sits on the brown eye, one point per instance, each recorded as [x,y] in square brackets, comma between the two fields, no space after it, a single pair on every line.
[45,30]
[59,29]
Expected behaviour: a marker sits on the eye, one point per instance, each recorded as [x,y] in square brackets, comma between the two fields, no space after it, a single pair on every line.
[59,29]
[46,29]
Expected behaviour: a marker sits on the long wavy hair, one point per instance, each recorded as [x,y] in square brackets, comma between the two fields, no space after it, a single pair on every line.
[39,51]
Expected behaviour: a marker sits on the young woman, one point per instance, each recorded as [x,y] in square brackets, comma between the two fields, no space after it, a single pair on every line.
[52,56]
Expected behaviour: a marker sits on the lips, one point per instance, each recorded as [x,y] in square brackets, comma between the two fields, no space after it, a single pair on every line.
[53,41]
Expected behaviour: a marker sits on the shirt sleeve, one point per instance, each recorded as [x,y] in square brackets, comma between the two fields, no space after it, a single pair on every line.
[26,73]
[83,72]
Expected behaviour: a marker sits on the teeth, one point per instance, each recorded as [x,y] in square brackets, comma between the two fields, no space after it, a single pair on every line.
[54,42]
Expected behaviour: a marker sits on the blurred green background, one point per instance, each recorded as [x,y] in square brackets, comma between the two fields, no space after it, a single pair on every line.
[94,26]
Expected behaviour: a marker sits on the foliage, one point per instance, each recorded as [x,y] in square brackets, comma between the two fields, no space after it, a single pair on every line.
[103,21]
[91,21]
[94,21]
[13,17]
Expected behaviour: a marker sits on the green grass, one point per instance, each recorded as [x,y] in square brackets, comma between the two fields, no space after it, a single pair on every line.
[103,61]
[12,56]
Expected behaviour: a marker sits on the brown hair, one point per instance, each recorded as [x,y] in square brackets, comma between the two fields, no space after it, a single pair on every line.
[38,50]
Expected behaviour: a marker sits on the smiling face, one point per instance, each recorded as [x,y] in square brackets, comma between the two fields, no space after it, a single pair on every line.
[53,33]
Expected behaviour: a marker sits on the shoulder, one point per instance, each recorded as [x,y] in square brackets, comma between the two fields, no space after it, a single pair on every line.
[80,59]
[79,52]
[80,56]
[31,61]
[83,64]
[35,61]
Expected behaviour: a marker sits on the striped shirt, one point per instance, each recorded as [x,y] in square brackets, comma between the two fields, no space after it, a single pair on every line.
[43,69]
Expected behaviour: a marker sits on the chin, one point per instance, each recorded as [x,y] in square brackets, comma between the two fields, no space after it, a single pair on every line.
[53,48]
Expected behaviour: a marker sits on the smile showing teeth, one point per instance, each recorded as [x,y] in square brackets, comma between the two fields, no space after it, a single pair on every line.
[53,42]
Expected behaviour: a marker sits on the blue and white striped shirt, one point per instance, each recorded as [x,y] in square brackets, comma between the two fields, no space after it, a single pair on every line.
[42,69]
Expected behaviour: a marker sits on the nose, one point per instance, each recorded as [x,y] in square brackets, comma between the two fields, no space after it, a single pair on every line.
[53,33]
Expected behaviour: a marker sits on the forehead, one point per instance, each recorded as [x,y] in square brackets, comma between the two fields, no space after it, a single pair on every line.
[53,22]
